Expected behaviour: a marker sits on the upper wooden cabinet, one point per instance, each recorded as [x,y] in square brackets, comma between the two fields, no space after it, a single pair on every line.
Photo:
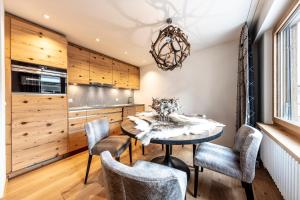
[120,75]
[133,77]
[100,69]
[33,44]
[85,67]
[79,65]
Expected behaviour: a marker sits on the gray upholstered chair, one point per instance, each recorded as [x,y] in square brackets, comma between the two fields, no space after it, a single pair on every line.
[99,141]
[143,181]
[238,162]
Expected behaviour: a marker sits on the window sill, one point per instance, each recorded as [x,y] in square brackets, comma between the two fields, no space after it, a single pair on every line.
[286,140]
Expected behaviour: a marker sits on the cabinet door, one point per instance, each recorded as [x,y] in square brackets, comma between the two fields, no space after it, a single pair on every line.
[120,75]
[78,65]
[115,128]
[100,69]
[39,128]
[33,44]
[134,78]
[77,136]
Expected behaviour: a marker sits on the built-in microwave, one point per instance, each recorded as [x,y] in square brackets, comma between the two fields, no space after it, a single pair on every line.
[31,78]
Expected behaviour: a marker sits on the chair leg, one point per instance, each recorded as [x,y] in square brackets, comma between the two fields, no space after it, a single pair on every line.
[196,181]
[248,190]
[135,142]
[143,149]
[182,145]
[162,147]
[130,152]
[201,169]
[171,149]
[117,159]
[88,168]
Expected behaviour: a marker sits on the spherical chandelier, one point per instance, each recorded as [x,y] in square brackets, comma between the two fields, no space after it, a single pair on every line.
[170,48]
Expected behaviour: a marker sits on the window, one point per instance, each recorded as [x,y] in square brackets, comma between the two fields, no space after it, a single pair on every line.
[287,70]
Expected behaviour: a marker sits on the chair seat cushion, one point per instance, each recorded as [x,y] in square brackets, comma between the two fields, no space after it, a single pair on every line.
[218,158]
[154,168]
[115,144]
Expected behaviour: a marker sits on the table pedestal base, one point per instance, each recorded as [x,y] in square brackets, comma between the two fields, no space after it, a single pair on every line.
[173,162]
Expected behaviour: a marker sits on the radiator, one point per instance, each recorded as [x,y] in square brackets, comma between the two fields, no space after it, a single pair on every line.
[283,168]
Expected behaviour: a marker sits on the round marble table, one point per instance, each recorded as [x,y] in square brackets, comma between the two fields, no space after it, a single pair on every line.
[128,128]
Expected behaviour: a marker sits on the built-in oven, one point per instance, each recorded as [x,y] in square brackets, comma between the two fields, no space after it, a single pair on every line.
[33,78]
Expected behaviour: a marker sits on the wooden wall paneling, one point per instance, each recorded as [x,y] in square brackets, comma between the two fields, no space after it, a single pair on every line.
[33,44]
[78,65]
[100,69]
[134,77]
[120,75]
[39,128]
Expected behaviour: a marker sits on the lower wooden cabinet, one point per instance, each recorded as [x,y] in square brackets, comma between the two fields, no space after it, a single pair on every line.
[115,128]
[77,136]
[39,128]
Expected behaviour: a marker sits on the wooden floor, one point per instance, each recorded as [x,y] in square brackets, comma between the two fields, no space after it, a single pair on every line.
[64,180]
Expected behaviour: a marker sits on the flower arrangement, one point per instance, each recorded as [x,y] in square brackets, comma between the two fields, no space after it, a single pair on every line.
[164,107]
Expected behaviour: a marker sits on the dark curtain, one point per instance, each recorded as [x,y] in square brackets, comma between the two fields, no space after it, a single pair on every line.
[245,84]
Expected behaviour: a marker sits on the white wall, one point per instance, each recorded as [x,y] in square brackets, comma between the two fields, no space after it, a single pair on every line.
[205,84]
[2,107]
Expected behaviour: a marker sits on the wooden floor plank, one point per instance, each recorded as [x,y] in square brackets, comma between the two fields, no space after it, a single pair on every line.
[64,180]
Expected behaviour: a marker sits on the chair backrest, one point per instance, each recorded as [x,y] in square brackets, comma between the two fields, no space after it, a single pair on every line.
[95,131]
[124,182]
[247,142]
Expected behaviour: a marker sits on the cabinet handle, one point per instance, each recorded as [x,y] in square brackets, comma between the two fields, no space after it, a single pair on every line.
[48,124]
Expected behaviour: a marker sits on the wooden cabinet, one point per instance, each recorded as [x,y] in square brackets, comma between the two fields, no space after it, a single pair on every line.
[139,108]
[133,77]
[132,110]
[115,128]
[100,69]
[77,136]
[33,44]
[39,128]
[78,65]
[8,92]
[120,75]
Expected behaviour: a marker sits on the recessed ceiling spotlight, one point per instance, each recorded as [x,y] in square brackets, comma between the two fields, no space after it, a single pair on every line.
[46,16]
[97,40]
[125,52]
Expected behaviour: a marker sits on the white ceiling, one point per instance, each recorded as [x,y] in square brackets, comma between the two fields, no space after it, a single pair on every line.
[130,25]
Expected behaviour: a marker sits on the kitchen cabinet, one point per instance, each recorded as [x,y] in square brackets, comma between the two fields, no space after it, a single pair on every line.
[78,65]
[39,128]
[133,77]
[132,110]
[7,36]
[34,44]
[100,69]
[120,75]
[77,137]
[77,119]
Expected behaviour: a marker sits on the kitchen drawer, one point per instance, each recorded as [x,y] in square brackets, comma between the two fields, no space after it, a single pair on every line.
[140,108]
[115,128]
[104,110]
[76,141]
[73,114]
[76,124]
